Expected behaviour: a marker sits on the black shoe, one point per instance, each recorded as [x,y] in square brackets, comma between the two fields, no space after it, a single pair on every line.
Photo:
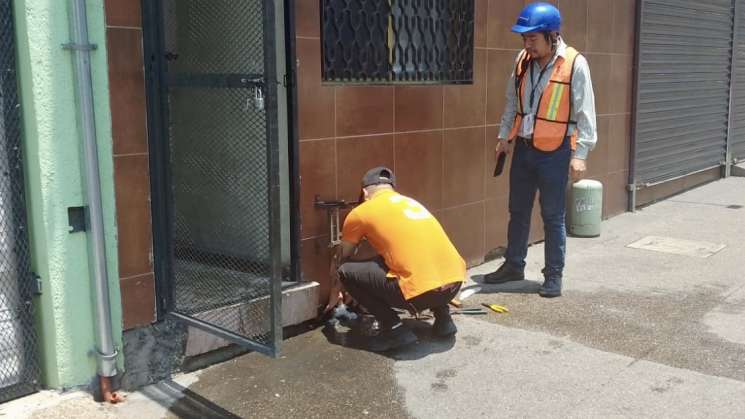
[551,288]
[444,325]
[505,273]
[392,339]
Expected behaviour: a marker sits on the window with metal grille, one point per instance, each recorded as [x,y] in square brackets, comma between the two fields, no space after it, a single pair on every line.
[397,41]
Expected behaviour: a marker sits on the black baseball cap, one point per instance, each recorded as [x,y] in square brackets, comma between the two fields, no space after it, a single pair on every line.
[377,176]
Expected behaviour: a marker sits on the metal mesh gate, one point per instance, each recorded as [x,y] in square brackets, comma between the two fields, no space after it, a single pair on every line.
[19,368]
[220,114]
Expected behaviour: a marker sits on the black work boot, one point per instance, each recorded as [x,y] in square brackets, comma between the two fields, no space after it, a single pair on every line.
[444,325]
[393,338]
[505,273]
[551,288]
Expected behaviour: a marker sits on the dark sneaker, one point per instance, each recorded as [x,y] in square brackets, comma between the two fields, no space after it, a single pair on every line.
[505,273]
[392,339]
[444,325]
[551,288]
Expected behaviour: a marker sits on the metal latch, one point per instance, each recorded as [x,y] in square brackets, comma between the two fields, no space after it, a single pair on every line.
[35,283]
[258,98]
[71,46]
[332,208]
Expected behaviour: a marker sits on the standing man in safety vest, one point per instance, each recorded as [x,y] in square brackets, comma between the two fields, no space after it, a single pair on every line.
[549,127]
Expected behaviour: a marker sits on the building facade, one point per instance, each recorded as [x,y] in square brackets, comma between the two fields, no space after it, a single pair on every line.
[220,127]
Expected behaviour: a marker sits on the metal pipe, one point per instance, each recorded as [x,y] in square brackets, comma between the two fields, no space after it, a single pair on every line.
[106,353]
[635,107]
[733,68]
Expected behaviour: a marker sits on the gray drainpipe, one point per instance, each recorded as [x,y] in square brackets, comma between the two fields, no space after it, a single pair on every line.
[105,352]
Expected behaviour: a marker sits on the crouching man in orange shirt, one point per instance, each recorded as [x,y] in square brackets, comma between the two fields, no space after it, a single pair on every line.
[416,266]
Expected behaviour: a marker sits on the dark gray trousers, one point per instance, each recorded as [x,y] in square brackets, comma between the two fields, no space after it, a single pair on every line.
[367,283]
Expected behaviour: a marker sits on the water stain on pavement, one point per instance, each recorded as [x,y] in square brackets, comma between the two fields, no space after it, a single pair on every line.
[471,340]
[313,379]
[667,385]
[664,327]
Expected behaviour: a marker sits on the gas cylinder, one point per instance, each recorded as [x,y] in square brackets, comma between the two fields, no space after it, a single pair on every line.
[586,208]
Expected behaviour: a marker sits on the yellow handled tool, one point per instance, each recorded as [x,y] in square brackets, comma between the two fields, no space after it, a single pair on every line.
[496,308]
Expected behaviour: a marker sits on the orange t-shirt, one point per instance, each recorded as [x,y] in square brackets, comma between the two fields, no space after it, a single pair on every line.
[409,238]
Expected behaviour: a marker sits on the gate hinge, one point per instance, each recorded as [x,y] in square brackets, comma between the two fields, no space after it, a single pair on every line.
[287,79]
[35,283]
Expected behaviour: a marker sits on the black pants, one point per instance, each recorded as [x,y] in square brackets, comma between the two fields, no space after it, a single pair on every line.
[368,284]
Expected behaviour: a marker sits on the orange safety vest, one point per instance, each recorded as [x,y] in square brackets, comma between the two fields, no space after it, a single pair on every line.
[551,123]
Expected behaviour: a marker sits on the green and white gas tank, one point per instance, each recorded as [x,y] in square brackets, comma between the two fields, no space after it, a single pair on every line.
[586,208]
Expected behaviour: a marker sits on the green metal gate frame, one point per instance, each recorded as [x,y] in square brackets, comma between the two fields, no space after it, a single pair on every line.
[159,81]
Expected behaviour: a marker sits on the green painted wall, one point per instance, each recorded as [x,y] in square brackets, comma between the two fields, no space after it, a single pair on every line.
[53,167]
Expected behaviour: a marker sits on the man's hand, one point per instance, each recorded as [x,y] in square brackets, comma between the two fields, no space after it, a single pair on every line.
[503,146]
[335,296]
[364,252]
[578,169]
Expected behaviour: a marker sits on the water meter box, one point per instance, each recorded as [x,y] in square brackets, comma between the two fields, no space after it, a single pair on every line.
[586,208]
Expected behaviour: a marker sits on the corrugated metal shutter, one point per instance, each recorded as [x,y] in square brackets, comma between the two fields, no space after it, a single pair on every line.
[683,90]
[737,142]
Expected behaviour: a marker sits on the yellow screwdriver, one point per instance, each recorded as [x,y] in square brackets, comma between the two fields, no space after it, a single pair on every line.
[496,308]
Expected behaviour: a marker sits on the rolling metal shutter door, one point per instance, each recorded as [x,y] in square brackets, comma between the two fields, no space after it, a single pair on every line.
[737,142]
[683,91]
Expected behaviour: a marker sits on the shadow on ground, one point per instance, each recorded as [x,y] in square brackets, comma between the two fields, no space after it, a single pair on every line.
[356,335]
[515,287]
[185,403]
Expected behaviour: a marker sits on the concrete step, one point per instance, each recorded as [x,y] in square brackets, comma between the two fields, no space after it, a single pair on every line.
[738,170]
[299,304]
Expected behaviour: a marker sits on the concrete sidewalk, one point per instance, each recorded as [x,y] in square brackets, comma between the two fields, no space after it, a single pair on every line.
[638,333]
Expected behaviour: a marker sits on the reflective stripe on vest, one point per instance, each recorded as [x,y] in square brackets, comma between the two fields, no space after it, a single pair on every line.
[554,106]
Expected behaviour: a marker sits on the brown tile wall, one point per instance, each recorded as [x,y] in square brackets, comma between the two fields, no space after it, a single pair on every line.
[131,166]
[428,134]
[439,139]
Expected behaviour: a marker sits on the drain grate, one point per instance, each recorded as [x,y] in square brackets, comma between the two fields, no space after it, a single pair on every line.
[735,207]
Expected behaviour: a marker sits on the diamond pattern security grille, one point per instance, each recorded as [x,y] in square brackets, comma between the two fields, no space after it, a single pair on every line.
[405,41]
[218,147]
[19,369]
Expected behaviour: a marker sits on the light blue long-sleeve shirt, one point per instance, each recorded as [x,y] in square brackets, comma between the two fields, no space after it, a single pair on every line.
[583,101]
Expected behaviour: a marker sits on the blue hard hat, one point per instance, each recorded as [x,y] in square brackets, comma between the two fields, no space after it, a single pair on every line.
[538,17]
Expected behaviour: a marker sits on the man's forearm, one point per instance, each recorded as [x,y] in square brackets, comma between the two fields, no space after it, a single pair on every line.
[510,110]
[585,114]
[335,286]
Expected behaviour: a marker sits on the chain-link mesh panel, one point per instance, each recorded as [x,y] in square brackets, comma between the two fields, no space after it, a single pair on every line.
[214,36]
[19,368]
[415,41]
[219,176]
